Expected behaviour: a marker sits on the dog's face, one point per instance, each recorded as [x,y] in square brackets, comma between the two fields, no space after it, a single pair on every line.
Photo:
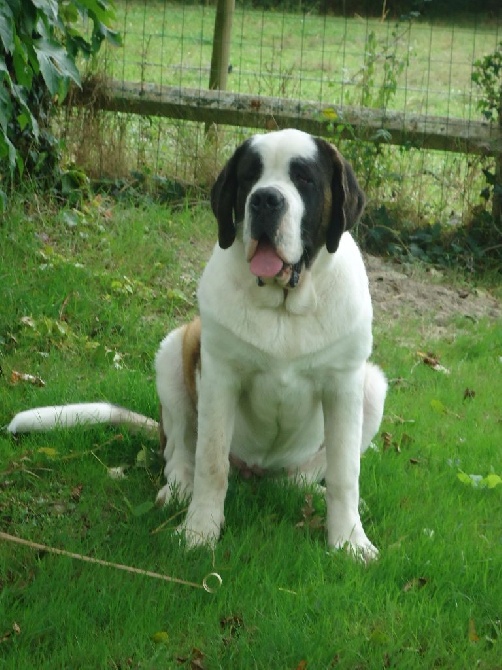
[287,194]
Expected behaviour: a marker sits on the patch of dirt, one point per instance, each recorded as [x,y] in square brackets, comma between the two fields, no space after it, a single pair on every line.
[398,292]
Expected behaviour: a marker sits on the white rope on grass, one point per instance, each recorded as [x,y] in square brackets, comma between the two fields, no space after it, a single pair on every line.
[118,566]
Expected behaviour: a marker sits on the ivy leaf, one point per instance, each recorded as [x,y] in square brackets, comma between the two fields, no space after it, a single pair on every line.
[49,8]
[24,74]
[5,108]
[55,65]
[7,28]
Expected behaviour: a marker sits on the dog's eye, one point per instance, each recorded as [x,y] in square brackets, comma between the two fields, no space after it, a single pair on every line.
[249,177]
[301,177]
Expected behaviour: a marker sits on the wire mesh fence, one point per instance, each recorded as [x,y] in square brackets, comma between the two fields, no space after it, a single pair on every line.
[419,69]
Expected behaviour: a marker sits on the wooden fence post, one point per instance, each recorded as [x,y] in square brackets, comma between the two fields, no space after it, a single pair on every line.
[220,59]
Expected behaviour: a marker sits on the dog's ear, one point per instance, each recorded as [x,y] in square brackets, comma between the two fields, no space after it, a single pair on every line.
[223,199]
[347,199]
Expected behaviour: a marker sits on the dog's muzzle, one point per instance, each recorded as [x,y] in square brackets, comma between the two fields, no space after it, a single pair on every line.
[269,267]
[267,208]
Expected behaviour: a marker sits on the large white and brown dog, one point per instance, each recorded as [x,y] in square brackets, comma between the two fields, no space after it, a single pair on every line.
[274,375]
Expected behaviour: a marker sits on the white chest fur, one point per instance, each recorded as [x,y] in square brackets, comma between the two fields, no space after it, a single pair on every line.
[281,361]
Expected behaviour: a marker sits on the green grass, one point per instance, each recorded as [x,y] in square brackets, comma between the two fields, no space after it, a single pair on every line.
[115,283]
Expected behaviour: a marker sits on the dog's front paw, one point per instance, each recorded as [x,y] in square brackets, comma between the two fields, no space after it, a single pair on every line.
[177,488]
[358,545]
[201,528]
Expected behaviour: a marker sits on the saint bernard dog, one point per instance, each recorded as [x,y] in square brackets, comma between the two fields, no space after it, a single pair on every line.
[273,376]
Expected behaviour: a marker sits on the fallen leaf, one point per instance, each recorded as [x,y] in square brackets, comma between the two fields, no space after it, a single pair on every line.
[161,637]
[50,452]
[17,377]
[232,623]
[16,630]
[196,661]
[311,519]
[432,361]
[415,584]
[478,481]
[76,492]
[301,665]
[387,441]
[330,113]
[472,635]
[438,406]
[118,361]
[469,394]
[29,321]
[117,473]
[493,480]
[470,480]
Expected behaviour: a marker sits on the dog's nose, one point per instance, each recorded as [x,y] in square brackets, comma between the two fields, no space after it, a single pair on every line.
[266,201]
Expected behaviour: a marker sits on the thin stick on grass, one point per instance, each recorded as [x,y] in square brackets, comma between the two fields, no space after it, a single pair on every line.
[117,566]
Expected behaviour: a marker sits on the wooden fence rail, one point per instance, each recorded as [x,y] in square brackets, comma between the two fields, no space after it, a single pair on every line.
[253,111]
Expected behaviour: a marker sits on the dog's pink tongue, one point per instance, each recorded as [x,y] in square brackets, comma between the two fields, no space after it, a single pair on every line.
[265,262]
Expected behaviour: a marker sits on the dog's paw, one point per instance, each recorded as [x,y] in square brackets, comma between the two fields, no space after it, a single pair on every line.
[174,490]
[201,528]
[366,552]
[358,546]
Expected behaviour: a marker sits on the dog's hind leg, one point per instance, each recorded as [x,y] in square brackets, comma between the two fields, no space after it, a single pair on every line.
[178,412]
[311,472]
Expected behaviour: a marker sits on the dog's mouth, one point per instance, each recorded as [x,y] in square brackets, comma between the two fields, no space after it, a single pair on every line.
[265,263]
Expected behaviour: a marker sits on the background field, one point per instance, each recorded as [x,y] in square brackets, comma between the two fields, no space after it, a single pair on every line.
[307,56]
[86,298]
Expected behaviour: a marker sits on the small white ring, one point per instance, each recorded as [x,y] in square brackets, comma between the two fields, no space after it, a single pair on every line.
[212,589]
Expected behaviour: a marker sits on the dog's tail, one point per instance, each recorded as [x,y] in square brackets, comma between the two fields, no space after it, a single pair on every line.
[87,413]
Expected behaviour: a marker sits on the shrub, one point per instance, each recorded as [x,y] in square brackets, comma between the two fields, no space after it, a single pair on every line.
[40,41]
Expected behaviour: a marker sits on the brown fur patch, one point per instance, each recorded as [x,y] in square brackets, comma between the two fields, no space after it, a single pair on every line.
[191,357]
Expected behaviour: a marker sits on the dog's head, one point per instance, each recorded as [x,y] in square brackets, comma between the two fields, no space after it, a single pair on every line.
[288,194]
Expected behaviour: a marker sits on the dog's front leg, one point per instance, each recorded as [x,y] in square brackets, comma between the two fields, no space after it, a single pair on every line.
[343,417]
[216,410]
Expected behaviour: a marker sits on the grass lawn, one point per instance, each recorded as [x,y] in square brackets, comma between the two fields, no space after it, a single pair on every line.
[85,299]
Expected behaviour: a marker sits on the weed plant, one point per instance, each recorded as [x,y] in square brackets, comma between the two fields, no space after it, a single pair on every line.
[86,298]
